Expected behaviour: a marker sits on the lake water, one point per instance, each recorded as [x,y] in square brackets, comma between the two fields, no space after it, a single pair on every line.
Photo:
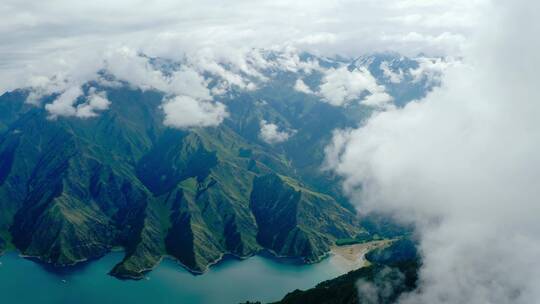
[231,281]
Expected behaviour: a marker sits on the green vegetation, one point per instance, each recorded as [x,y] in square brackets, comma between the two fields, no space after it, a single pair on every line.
[393,270]
[360,238]
[3,245]
[5,241]
[72,189]
[388,281]
[294,221]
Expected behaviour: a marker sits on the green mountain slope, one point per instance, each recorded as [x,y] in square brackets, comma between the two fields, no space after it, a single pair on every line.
[295,221]
[72,189]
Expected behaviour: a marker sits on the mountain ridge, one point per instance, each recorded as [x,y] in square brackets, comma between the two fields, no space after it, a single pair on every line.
[72,189]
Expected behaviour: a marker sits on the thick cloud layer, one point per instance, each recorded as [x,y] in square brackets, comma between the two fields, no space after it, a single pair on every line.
[463,165]
[55,47]
[45,37]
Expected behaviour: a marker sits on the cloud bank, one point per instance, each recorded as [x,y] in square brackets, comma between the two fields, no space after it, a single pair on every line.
[48,37]
[56,47]
[463,165]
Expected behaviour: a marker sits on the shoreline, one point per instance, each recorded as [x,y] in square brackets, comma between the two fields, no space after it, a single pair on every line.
[354,255]
[358,250]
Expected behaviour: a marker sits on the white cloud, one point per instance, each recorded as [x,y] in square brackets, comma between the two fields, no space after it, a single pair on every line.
[393,77]
[271,134]
[230,65]
[61,75]
[192,107]
[32,44]
[463,165]
[318,38]
[238,68]
[340,86]
[442,43]
[65,104]
[377,99]
[127,65]
[95,102]
[288,59]
[222,42]
[431,69]
[300,86]
[186,112]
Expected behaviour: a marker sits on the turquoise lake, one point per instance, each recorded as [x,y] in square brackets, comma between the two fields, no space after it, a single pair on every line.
[231,281]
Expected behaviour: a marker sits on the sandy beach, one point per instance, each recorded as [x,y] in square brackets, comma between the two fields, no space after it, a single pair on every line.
[352,256]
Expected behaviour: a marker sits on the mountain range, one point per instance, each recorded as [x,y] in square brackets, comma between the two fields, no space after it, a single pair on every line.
[74,187]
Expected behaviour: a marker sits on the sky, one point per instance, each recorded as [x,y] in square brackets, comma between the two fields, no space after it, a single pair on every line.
[55,47]
[462,164]
[41,37]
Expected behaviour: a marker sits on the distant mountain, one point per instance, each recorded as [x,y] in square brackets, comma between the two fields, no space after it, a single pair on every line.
[71,189]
